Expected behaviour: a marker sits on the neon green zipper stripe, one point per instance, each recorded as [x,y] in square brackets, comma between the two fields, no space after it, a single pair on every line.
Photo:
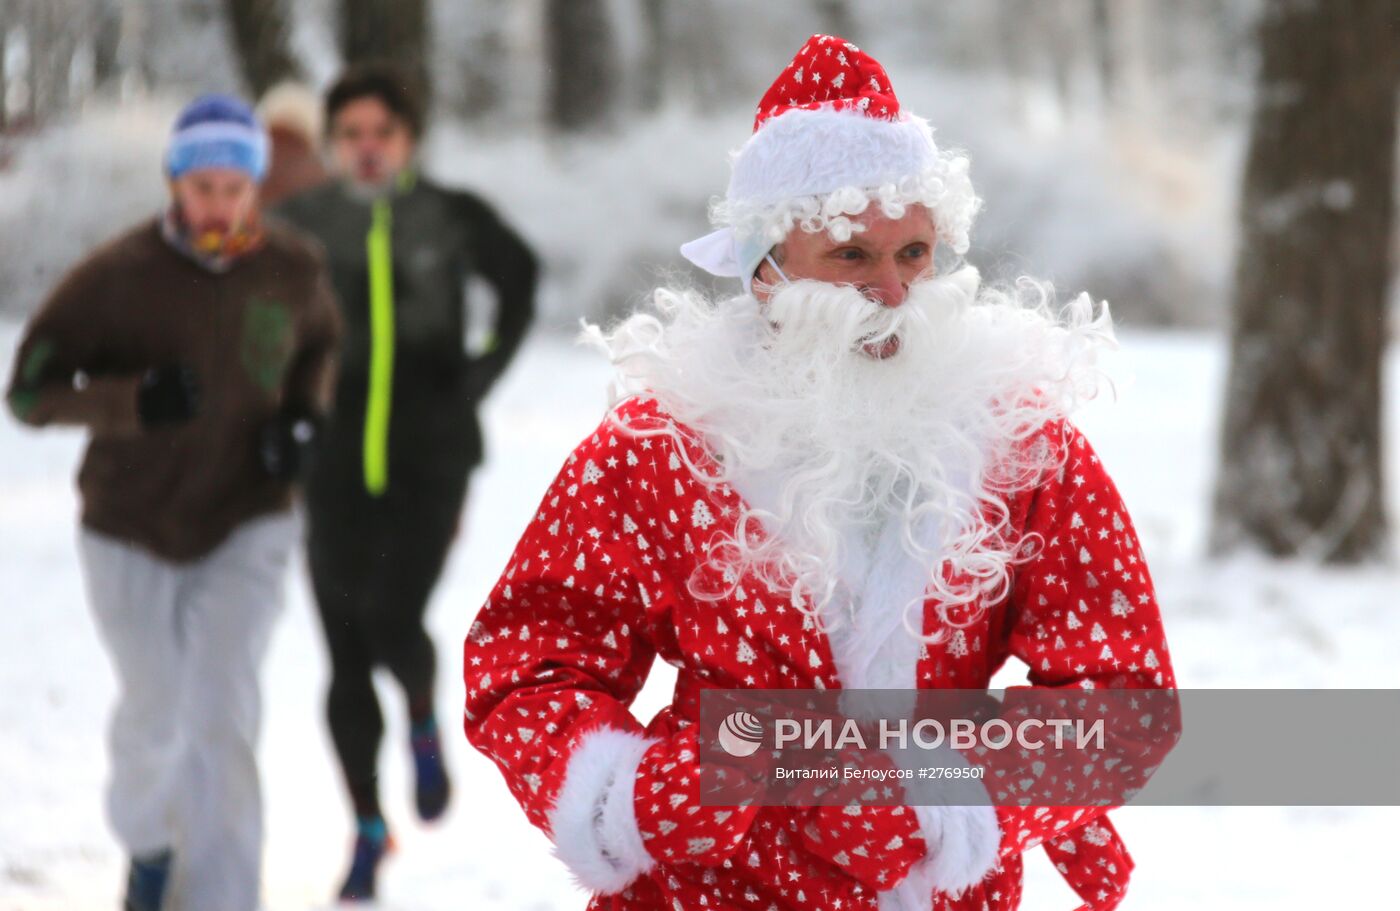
[379,246]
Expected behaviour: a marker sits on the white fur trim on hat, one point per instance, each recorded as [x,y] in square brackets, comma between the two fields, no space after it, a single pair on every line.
[593,822]
[815,167]
[806,153]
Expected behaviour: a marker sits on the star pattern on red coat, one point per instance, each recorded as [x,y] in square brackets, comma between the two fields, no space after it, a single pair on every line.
[599,586]
[874,844]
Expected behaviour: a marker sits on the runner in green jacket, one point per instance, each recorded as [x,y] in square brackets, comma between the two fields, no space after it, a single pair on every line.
[388,481]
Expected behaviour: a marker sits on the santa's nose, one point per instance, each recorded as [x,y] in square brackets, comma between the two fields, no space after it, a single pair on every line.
[888,288]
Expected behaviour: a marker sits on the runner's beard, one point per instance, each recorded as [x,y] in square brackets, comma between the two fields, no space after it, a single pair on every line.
[838,413]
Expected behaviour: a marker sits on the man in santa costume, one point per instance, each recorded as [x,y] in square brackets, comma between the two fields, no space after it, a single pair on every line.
[857,473]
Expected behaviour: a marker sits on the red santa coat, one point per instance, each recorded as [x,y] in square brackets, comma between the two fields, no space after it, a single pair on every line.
[597,588]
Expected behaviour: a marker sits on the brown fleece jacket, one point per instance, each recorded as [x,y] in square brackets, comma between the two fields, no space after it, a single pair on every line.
[260,337]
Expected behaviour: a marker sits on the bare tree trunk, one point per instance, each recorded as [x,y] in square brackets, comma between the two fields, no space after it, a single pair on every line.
[1105,53]
[62,45]
[1057,30]
[388,30]
[653,69]
[583,80]
[260,39]
[6,23]
[484,60]
[1301,466]
[137,25]
[1014,42]
[37,41]
[836,19]
[700,55]
[106,44]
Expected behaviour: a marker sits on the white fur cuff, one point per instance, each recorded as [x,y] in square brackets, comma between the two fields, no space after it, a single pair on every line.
[961,831]
[963,846]
[593,823]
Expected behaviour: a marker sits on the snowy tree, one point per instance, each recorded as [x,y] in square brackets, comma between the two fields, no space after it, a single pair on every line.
[1105,52]
[7,15]
[1301,447]
[56,37]
[392,30]
[180,46]
[259,29]
[836,19]
[50,53]
[580,57]
[472,67]
[652,71]
[106,43]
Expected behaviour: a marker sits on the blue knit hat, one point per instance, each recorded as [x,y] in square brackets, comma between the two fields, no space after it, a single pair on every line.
[217,131]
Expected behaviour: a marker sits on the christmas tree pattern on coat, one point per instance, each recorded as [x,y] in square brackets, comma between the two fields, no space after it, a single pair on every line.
[596,590]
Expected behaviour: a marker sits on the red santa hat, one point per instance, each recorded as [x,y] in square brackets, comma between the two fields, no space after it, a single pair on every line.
[829,139]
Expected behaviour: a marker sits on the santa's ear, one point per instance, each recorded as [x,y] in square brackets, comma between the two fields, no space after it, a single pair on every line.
[766,274]
[762,282]
[774,261]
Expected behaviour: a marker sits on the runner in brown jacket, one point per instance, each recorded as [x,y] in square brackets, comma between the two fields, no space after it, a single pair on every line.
[198,348]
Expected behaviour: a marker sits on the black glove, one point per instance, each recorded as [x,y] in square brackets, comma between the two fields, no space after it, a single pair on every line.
[284,441]
[167,395]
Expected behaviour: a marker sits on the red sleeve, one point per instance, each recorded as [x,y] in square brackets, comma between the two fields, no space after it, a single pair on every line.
[1085,613]
[552,663]
[560,646]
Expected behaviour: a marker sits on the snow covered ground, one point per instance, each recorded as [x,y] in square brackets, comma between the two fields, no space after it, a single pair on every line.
[1238,624]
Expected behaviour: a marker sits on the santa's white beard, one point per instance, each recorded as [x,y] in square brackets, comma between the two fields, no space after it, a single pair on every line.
[828,443]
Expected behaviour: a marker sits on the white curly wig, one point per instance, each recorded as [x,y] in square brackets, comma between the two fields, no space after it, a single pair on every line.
[813,169]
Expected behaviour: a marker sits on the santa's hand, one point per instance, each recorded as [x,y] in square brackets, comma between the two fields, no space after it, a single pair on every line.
[956,821]
[629,802]
[674,825]
[877,846]
[962,844]
[854,822]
